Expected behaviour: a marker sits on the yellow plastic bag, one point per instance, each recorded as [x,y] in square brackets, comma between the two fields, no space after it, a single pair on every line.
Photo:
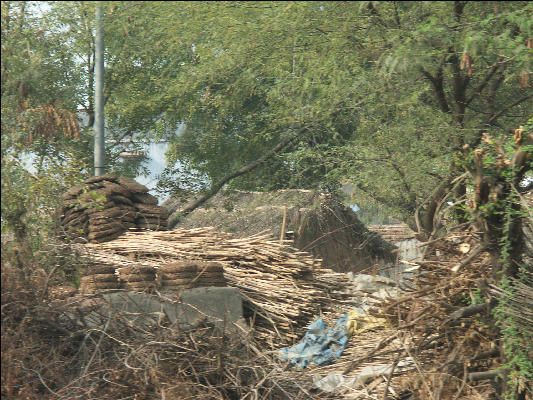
[359,322]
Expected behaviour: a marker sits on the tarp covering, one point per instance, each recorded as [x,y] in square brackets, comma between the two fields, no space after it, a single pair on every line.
[319,345]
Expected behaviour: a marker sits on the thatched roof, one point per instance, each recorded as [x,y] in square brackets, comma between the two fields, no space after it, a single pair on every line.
[315,222]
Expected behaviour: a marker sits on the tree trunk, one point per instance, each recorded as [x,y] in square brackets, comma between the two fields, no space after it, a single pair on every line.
[498,213]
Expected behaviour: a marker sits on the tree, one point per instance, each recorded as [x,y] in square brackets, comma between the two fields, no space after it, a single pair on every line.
[39,96]
[382,94]
[474,58]
[44,86]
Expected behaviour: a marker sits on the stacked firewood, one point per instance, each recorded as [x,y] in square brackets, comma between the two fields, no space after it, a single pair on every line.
[104,207]
[283,289]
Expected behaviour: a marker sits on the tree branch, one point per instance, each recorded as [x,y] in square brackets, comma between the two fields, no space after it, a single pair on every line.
[494,117]
[396,14]
[438,86]
[479,376]
[384,200]
[493,87]
[472,255]
[404,180]
[459,89]
[482,85]
[458,7]
[431,203]
[472,310]
[376,14]
[176,216]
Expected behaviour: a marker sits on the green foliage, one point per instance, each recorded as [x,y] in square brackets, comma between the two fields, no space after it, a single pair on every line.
[350,74]
[43,149]
[350,78]
[517,342]
[353,79]
[499,212]
[30,216]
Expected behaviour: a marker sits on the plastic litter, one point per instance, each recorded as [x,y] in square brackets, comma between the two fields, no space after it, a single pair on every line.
[319,345]
[335,383]
[359,321]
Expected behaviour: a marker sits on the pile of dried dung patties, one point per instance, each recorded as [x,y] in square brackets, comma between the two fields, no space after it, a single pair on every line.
[99,277]
[137,277]
[174,276]
[191,274]
[104,207]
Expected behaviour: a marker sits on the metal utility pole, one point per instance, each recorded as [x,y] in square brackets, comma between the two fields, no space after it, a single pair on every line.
[99,133]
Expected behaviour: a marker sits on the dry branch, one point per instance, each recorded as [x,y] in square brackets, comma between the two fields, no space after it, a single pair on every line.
[176,216]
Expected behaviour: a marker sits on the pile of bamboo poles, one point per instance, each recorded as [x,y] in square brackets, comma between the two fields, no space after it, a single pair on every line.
[283,289]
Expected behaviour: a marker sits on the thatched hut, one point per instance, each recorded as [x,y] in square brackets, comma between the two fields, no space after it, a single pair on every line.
[315,222]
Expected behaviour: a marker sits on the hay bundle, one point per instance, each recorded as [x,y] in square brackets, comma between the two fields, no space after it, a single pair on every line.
[104,207]
[283,289]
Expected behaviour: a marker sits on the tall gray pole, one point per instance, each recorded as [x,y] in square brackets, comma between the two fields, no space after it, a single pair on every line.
[99,133]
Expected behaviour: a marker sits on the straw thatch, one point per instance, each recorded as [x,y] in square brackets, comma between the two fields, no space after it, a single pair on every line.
[393,233]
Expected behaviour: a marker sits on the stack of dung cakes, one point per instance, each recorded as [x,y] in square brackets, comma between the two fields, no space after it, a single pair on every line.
[104,207]
[148,214]
[210,274]
[139,278]
[99,277]
[105,224]
[191,273]
[151,216]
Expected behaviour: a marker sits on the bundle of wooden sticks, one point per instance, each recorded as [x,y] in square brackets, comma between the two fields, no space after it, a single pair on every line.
[283,289]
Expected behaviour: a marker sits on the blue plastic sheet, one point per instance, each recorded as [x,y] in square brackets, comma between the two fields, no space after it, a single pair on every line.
[319,345]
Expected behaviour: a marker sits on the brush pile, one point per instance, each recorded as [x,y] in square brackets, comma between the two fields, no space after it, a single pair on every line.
[104,207]
[47,355]
[446,320]
[282,288]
